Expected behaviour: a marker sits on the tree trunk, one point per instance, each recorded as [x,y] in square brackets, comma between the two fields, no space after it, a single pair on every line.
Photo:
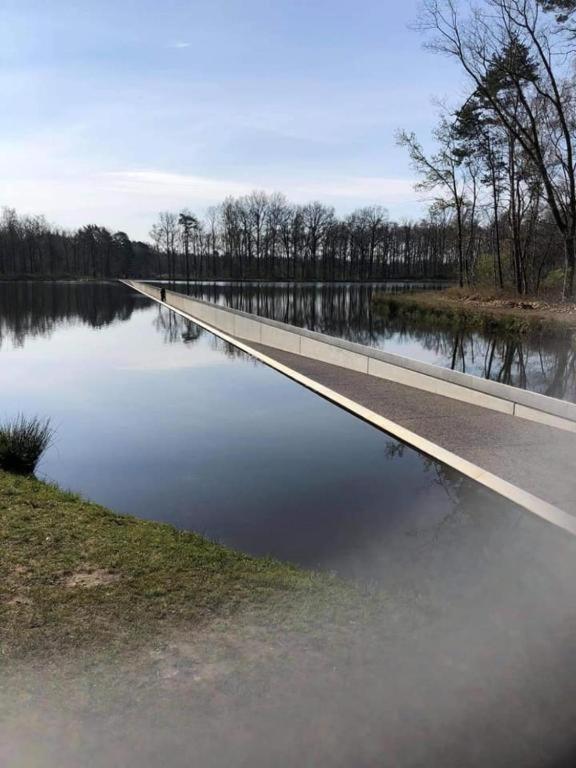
[570,255]
[460,248]
[497,228]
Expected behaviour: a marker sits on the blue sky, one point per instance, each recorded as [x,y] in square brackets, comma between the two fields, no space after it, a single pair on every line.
[115,110]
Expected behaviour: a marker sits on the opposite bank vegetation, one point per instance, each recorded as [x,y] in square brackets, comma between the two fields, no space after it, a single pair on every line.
[479,309]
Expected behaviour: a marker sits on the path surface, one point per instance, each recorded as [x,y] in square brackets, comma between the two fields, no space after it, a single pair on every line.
[537,458]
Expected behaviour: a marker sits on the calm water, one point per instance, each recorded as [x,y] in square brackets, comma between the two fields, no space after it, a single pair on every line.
[159,419]
[530,361]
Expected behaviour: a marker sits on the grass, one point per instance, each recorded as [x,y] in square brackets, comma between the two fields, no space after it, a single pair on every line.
[22,443]
[479,309]
[75,578]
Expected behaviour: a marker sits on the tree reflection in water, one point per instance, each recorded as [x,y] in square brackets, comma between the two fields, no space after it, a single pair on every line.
[31,309]
[541,363]
[531,361]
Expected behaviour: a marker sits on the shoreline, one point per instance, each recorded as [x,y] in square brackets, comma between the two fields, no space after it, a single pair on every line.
[77,578]
[481,310]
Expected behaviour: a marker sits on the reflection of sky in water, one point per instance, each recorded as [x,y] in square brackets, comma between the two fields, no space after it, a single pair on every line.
[158,419]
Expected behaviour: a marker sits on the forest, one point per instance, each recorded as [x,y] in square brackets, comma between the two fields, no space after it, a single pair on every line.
[32,247]
[259,236]
[500,181]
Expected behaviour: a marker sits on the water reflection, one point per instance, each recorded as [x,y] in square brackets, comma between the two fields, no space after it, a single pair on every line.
[530,361]
[32,309]
[161,420]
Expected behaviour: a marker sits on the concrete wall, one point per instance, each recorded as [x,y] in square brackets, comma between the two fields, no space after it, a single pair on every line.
[357,357]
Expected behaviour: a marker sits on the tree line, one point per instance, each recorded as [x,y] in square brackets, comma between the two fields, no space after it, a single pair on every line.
[31,247]
[264,236]
[257,236]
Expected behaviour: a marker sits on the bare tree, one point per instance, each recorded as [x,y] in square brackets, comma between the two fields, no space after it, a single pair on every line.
[165,234]
[188,226]
[515,58]
[445,172]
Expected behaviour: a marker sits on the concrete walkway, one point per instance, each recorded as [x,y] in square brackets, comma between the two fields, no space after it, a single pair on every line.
[537,458]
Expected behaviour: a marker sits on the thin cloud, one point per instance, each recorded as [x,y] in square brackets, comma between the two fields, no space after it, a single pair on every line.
[150,183]
[179,44]
[373,188]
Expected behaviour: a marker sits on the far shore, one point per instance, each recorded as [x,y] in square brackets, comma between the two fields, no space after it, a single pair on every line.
[481,309]
[234,280]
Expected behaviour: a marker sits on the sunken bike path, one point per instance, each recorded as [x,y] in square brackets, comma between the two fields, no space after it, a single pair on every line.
[537,458]
[513,456]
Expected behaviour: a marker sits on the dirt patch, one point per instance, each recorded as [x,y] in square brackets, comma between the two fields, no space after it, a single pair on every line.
[89,579]
[19,600]
[504,302]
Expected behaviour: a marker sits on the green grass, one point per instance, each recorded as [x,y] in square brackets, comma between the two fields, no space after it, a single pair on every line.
[75,577]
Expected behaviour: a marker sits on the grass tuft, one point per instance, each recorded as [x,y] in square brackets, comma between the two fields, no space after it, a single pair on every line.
[22,443]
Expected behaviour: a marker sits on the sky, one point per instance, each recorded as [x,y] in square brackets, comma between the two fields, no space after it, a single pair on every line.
[118,109]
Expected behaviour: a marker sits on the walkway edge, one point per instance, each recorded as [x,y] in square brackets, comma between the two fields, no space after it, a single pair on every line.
[528,501]
[417,374]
